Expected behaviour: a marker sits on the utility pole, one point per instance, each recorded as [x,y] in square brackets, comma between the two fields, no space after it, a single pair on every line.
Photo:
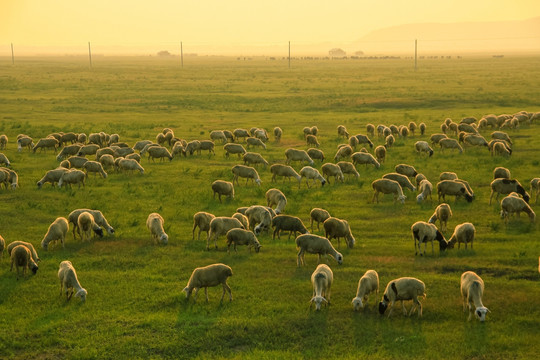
[12,55]
[90,54]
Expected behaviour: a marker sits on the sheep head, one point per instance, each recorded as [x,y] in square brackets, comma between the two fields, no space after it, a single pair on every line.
[164,238]
[402,198]
[82,294]
[98,231]
[481,312]
[339,258]
[357,304]
[318,300]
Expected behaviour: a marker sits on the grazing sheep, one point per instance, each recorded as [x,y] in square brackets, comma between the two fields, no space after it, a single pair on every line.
[314,244]
[26,142]
[11,178]
[46,143]
[368,283]
[453,187]
[422,128]
[234,149]
[220,226]
[95,138]
[406,170]
[289,223]
[405,288]
[321,279]
[502,173]
[108,150]
[51,176]
[472,289]
[57,231]
[380,153]
[69,151]
[513,204]
[276,197]
[158,152]
[506,186]
[72,176]
[467,128]
[424,232]
[178,149]
[242,237]
[218,135]
[423,146]
[475,140]
[99,219]
[76,162]
[348,168]
[387,186]
[20,256]
[86,223]
[363,139]
[206,145]
[412,127]
[260,216]
[202,220]
[297,155]
[251,158]
[195,146]
[334,170]
[364,158]
[425,189]
[139,145]
[463,233]
[3,141]
[28,245]
[240,133]
[246,172]
[342,131]
[311,173]
[450,144]
[353,142]
[312,140]
[401,179]
[4,160]
[499,148]
[386,132]
[319,215]
[535,188]
[222,187]
[418,179]
[69,281]
[389,141]
[315,154]
[435,138]
[133,156]
[404,132]
[338,228]
[285,171]
[261,134]
[95,167]
[242,218]
[154,223]
[278,133]
[130,165]
[343,152]
[500,135]
[252,141]
[205,277]
[90,149]
[448,175]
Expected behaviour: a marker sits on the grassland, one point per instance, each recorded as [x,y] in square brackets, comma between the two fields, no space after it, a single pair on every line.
[135,308]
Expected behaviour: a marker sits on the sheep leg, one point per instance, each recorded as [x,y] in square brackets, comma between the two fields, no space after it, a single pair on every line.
[195,295]
[403,308]
[491,195]
[227,288]
[206,293]
[392,307]
[300,260]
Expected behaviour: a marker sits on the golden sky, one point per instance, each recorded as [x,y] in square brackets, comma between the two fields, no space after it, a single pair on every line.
[231,22]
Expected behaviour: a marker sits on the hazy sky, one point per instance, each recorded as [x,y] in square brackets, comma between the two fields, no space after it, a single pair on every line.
[222,22]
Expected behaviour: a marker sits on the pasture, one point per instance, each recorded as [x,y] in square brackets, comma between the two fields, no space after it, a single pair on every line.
[135,306]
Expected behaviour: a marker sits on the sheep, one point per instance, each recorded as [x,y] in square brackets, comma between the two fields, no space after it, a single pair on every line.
[205,277]
[195,146]
[463,233]
[342,131]
[4,160]
[285,171]
[158,152]
[139,145]
[405,288]
[387,186]
[218,135]
[448,175]
[20,256]
[289,223]
[11,178]
[535,188]
[113,139]
[404,132]
[500,135]
[319,215]
[401,179]
[51,176]
[133,156]
[26,142]
[240,133]
[435,138]
[28,245]
[499,148]
[99,219]
[276,197]
[423,232]
[425,189]
[202,221]
[107,150]
[472,289]
[242,218]
[234,149]
[338,228]
[450,144]
[206,145]
[69,281]
[422,128]
[252,141]
[418,179]
[467,128]
[468,120]
[222,187]
[68,151]
[380,153]
[312,140]
[315,154]
[321,279]
[363,139]
[389,141]
[343,152]
[124,151]
[90,149]
[502,173]
[311,173]
[246,172]
[453,187]
[314,244]
[130,165]
[452,126]
[242,237]
[3,141]
[334,170]
[406,170]
[81,138]
[154,223]
[423,146]
[72,176]
[278,133]
[368,283]
[250,158]
[46,143]
[364,158]
[261,134]
[475,140]
[178,149]
[513,204]
[307,131]
[219,226]
[87,224]
[95,167]
[297,155]
[57,231]
[261,216]
[95,138]
[348,168]
[506,186]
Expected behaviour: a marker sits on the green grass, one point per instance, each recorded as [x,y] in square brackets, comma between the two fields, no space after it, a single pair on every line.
[135,307]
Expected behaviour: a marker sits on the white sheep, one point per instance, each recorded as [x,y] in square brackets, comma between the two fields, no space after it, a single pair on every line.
[129,165]
[87,224]
[94,167]
[401,179]
[364,158]
[389,141]
[254,158]
[443,213]
[472,289]
[57,231]
[202,221]
[363,139]
[342,131]
[448,143]
[289,223]
[387,186]
[475,140]
[90,149]
[276,197]
[278,133]
[310,173]
[46,143]
[72,176]
[424,232]
[463,233]
[405,288]
[319,215]
[502,173]
[3,141]
[312,140]
[68,151]
[253,141]
[407,170]
[69,281]
[211,275]
[380,153]
[338,228]
[348,168]
[425,188]
[435,138]
[507,186]
[453,187]
[206,145]
[222,187]
[448,175]
[158,152]
[314,244]
[20,256]
[28,245]
[99,219]
[234,149]
[242,237]
[284,170]
[154,223]
[4,160]
[220,226]
[343,152]
[259,217]
[315,154]
[218,135]
[334,170]
[368,283]
[423,146]
[240,133]
[246,172]
[321,279]
[297,155]
[535,188]
[514,204]
[500,135]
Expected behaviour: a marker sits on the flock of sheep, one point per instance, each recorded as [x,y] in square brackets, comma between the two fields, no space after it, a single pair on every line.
[243,227]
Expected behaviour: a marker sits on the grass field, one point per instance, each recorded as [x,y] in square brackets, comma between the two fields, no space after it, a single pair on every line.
[135,307]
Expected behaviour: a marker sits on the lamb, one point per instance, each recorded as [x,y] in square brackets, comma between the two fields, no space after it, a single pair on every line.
[234,149]
[380,153]
[222,187]
[202,220]
[334,170]
[321,279]
[506,186]
[289,223]
[338,228]
[405,288]
[367,284]
[500,135]
[315,154]
[363,139]
[499,148]
[364,158]
[513,204]
[406,170]
[348,168]
[246,172]
[90,149]
[502,173]
[130,165]
[28,245]
[158,152]
[423,146]
[450,144]
[463,233]
[72,176]
[297,155]
[250,158]
[285,171]
[276,197]
[20,256]
[99,219]
[25,141]
[57,231]
[252,141]
[535,188]
[87,224]
[453,187]
[312,174]
[69,281]
[95,167]
[343,152]
[242,237]
[389,141]
[261,216]
[425,189]
[472,289]
[68,151]
[319,215]
[314,244]
[154,223]
[208,276]
[46,143]
[312,140]
[220,226]
[401,179]
[387,186]
[218,135]
[4,160]
[424,232]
